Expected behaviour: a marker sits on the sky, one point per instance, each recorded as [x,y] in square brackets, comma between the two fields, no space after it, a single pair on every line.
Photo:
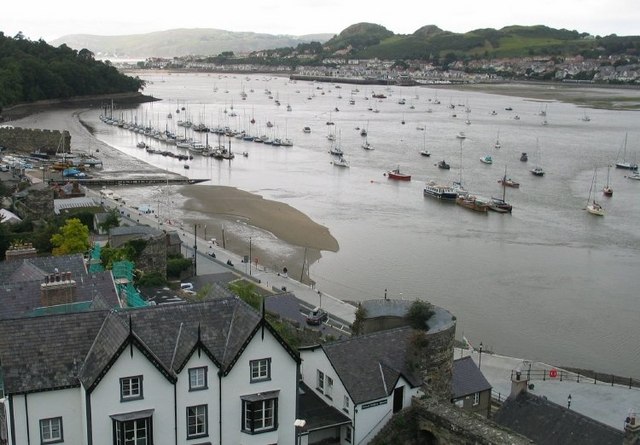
[48,20]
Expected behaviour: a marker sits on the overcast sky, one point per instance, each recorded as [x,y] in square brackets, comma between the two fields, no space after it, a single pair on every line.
[49,20]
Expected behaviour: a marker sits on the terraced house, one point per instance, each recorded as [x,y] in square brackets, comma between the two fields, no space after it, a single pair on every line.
[205,373]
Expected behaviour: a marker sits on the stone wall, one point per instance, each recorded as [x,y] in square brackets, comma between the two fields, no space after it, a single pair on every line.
[26,140]
[154,256]
[36,204]
[430,422]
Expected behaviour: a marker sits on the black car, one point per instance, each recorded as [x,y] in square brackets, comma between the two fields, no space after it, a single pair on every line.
[317,316]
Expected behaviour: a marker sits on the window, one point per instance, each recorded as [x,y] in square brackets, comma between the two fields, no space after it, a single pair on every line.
[51,430]
[197,421]
[476,399]
[320,382]
[345,404]
[130,388]
[133,432]
[260,412]
[347,434]
[197,378]
[329,387]
[260,370]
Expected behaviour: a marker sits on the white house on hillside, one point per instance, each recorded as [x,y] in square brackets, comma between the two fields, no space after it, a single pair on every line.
[204,373]
[366,378]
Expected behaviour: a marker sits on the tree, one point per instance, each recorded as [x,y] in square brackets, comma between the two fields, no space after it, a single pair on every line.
[112,220]
[358,324]
[73,237]
[419,313]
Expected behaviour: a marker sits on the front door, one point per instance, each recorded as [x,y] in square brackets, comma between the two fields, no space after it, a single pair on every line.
[398,397]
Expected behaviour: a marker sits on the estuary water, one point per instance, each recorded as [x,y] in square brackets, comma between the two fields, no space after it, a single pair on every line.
[548,282]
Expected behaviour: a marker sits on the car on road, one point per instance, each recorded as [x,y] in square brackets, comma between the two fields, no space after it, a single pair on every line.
[317,316]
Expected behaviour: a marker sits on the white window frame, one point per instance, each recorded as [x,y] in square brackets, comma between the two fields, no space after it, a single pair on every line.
[476,399]
[348,434]
[51,430]
[259,416]
[198,378]
[328,391]
[346,404]
[131,388]
[142,429]
[260,370]
[198,421]
[320,381]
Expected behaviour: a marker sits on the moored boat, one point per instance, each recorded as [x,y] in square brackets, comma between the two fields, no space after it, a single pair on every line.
[473,203]
[524,157]
[438,191]
[486,159]
[443,165]
[397,175]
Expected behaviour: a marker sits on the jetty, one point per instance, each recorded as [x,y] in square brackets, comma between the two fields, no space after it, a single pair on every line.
[92,182]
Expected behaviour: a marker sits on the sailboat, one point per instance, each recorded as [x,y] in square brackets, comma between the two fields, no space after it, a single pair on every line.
[537,170]
[424,151]
[624,163]
[497,144]
[457,185]
[592,206]
[499,204]
[607,190]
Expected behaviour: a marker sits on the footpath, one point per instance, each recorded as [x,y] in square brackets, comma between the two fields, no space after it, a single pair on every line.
[597,399]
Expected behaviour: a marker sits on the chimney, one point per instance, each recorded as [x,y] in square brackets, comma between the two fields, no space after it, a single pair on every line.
[519,383]
[58,288]
[20,251]
[631,429]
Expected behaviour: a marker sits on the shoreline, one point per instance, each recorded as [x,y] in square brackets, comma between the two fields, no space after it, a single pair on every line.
[211,205]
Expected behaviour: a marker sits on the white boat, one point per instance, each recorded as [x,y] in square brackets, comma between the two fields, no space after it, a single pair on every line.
[438,191]
[537,170]
[635,176]
[306,130]
[461,135]
[497,144]
[624,163]
[593,206]
[486,159]
[341,162]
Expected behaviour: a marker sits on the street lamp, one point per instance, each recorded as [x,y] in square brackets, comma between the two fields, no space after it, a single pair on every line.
[480,357]
[299,424]
[569,402]
[195,249]
[249,255]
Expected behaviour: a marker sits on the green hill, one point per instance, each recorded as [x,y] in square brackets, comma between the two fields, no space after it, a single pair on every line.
[366,40]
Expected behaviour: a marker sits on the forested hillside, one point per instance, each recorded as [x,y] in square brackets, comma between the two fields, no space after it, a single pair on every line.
[35,70]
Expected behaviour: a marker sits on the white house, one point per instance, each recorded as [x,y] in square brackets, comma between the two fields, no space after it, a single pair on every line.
[206,373]
[366,378]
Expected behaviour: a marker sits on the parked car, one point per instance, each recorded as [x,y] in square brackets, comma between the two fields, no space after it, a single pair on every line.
[186,286]
[317,316]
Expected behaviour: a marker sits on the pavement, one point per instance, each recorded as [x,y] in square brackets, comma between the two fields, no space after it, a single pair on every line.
[599,400]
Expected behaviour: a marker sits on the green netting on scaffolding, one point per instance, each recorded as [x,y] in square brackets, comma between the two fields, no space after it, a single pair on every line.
[123,275]
[95,264]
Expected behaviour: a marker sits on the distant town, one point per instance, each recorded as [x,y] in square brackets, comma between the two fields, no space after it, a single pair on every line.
[612,70]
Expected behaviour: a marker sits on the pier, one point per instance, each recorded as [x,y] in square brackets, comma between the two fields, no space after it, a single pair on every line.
[92,182]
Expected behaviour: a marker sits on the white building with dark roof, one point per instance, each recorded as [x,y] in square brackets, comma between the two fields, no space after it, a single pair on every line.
[203,373]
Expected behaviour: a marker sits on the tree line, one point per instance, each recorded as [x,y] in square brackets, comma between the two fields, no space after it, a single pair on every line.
[34,70]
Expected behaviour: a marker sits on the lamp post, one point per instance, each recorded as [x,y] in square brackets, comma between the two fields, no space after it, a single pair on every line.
[249,255]
[205,233]
[569,402]
[299,424]
[195,249]
[480,357]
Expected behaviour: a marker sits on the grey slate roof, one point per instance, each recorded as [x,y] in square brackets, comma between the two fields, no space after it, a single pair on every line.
[134,230]
[20,284]
[316,412]
[467,378]
[547,423]
[370,365]
[49,352]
